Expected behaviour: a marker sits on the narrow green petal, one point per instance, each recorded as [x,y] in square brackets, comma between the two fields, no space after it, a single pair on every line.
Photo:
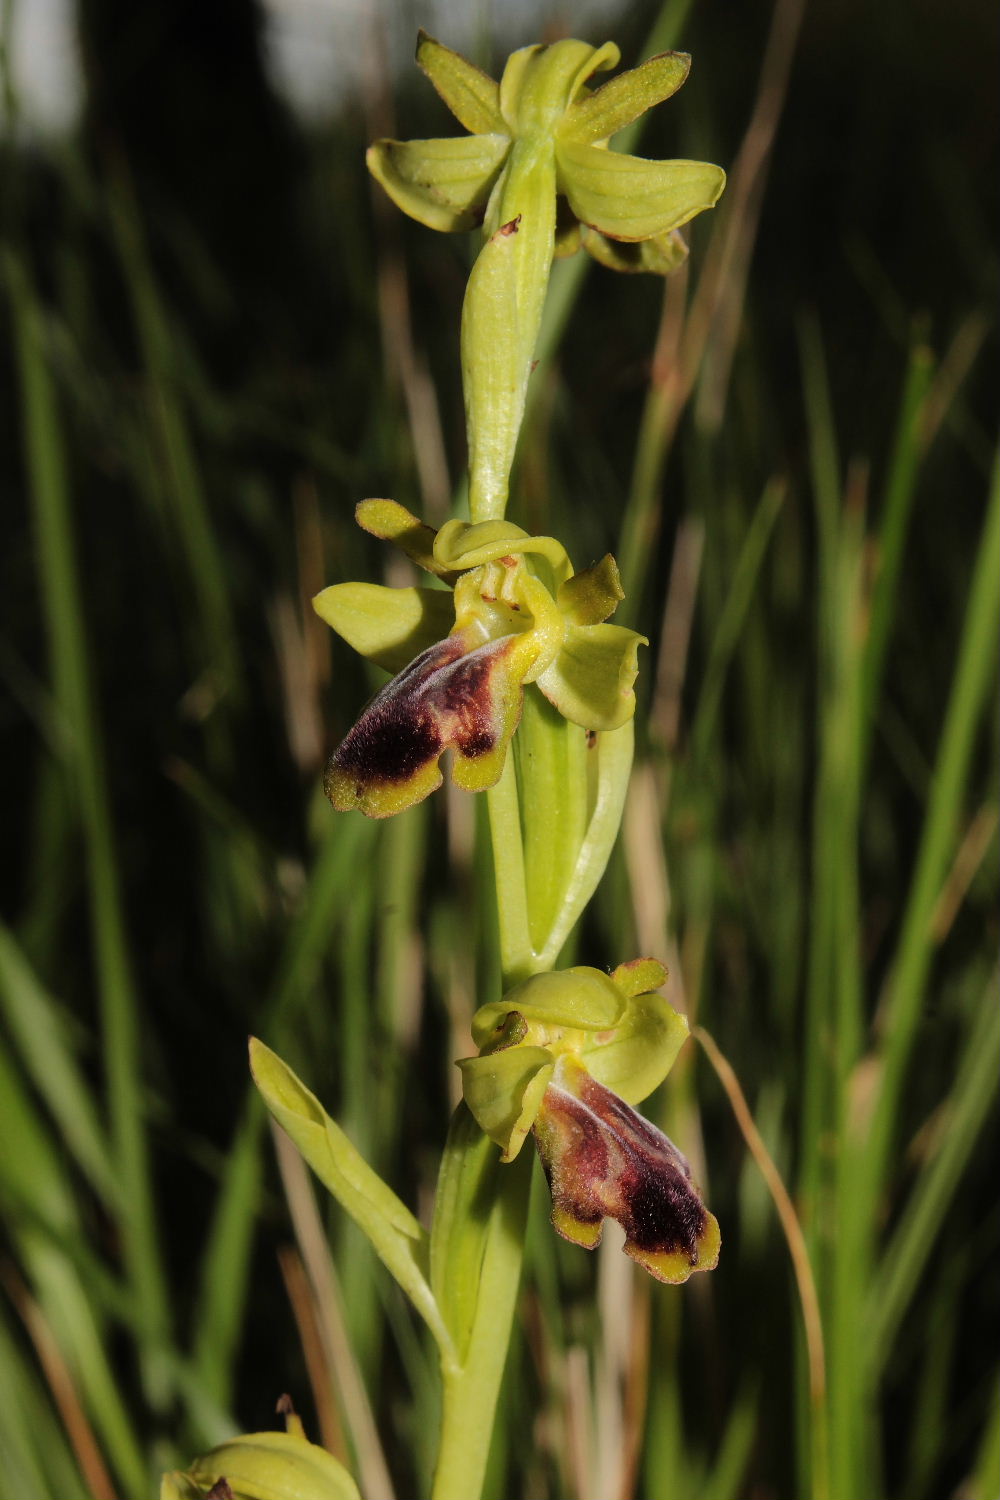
[388,626]
[659,256]
[471,95]
[630,198]
[617,103]
[582,999]
[590,682]
[504,1091]
[588,598]
[443,183]
[392,522]
[644,1047]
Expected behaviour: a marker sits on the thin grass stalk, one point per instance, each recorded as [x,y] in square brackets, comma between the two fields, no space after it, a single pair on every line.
[909,1251]
[225,1263]
[899,1010]
[67,635]
[214,637]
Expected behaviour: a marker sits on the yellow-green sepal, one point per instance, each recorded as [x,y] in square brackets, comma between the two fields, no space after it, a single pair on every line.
[471,95]
[659,256]
[387,626]
[596,116]
[630,198]
[644,1047]
[264,1466]
[504,1092]
[444,183]
[591,679]
[580,998]
[396,1237]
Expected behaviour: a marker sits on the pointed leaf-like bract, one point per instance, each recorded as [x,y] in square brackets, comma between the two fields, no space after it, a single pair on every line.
[396,1237]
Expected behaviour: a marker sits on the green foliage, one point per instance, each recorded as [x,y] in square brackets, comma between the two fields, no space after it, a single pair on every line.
[807,506]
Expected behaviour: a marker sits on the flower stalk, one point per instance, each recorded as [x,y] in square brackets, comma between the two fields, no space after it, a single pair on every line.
[509,660]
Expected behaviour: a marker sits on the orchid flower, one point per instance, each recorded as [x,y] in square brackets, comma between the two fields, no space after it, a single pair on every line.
[515,614]
[565,1055]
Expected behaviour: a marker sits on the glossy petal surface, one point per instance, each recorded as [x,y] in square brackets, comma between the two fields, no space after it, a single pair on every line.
[602,1160]
[448,698]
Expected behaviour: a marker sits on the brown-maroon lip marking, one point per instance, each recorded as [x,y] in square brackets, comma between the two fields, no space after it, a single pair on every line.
[443,698]
[603,1160]
[511,227]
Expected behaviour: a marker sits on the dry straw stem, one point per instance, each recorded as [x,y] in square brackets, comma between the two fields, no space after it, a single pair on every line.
[63,1387]
[794,1238]
[372,1469]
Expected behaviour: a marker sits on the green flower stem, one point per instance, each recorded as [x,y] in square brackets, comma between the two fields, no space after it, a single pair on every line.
[482,1263]
[502,315]
[517,958]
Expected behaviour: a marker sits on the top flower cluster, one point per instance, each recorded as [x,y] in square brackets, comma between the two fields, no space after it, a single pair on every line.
[622,209]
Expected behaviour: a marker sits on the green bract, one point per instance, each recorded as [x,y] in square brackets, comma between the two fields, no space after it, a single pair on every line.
[518,614]
[565,1054]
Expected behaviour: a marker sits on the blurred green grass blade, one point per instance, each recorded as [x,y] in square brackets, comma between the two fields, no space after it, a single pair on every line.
[214,630]
[726,1478]
[43,1220]
[35,1459]
[739,598]
[818,1105]
[66,630]
[48,1060]
[225,1265]
[897,503]
[985,1482]
[972,685]
[914,1240]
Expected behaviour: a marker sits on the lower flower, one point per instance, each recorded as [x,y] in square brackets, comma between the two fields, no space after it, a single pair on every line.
[565,1055]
